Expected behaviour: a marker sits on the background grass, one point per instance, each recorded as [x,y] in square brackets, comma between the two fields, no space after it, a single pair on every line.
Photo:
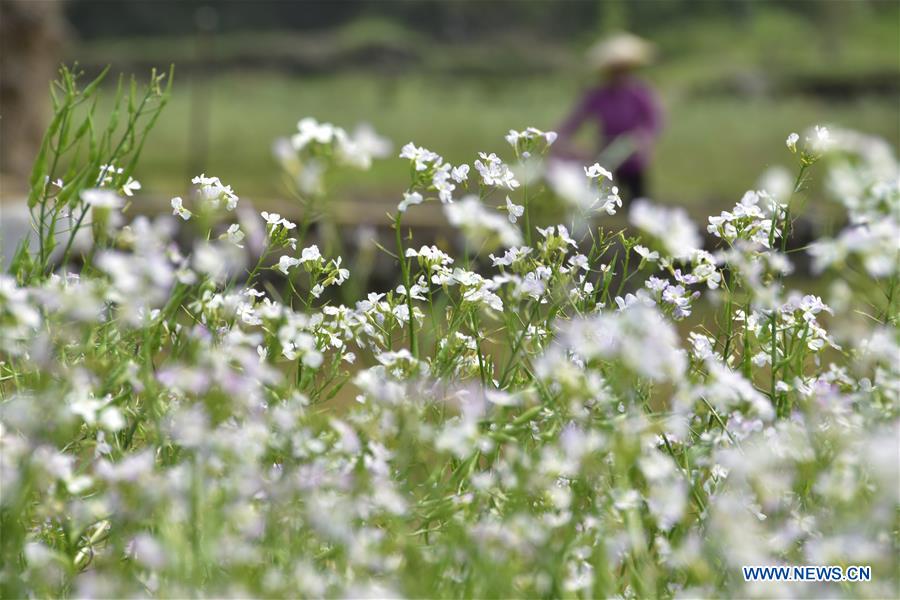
[712,150]
[731,91]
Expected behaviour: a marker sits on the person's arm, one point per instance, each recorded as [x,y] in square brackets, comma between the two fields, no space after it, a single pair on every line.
[653,113]
[570,127]
[652,122]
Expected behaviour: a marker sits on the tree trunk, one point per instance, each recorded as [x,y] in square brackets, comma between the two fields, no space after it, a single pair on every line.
[31,37]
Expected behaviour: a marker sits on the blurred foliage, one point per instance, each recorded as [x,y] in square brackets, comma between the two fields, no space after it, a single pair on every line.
[728,138]
[447,19]
[735,77]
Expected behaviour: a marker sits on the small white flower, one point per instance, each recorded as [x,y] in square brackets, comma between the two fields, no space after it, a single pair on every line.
[500,398]
[421,156]
[579,261]
[271,218]
[791,141]
[409,200]
[234,235]
[671,226]
[98,198]
[285,263]
[459,173]
[515,211]
[179,209]
[274,220]
[595,171]
[494,172]
[131,186]
[609,201]
[531,133]
[310,130]
[310,254]
[820,139]
[646,254]
[511,256]
[215,193]
[107,172]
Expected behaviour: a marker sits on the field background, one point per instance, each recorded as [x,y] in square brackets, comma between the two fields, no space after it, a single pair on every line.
[734,77]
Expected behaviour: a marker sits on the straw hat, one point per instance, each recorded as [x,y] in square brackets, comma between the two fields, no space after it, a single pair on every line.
[620,50]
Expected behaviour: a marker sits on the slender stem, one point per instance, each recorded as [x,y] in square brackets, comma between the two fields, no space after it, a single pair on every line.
[476,333]
[404,269]
[624,273]
[259,263]
[527,216]
[772,354]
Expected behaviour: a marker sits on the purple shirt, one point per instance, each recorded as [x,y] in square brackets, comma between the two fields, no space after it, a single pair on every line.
[621,107]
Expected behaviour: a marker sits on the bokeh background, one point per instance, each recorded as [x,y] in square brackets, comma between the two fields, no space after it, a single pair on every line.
[735,76]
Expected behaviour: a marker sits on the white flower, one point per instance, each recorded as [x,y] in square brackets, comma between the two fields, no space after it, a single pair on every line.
[494,172]
[530,134]
[94,411]
[746,221]
[609,201]
[820,139]
[671,226]
[637,335]
[409,199]
[99,198]
[420,156]
[479,224]
[567,181]
[234,235]
[595,171]
[515,211]
[459,173]
[579,261]
[285,263]
[510,256]
[310,254]
[107,172]
[274,220]
[215,193]
[441,183]
[309,130]
[500,398]
[340,273]
[366,144]
[131,186]
[646,254]
[271,218]
[791,141]
[561,232]
[355,150]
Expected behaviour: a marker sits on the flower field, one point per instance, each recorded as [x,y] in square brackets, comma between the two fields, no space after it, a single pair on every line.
[540,410]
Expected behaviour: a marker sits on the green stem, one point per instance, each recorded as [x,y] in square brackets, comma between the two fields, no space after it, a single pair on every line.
[404,269]
[527,216]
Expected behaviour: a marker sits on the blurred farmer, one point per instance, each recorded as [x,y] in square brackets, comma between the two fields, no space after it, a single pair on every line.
[624,108]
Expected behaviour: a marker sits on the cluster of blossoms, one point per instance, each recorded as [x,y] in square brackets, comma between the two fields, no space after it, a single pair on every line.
[549,413]
[431,173]
[211,196]
[586,189]
[531,140]
[494,172]
[306,155]
[864,177]
[748,221]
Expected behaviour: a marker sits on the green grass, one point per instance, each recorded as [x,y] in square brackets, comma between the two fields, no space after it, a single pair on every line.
[460,99]
[712,150]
